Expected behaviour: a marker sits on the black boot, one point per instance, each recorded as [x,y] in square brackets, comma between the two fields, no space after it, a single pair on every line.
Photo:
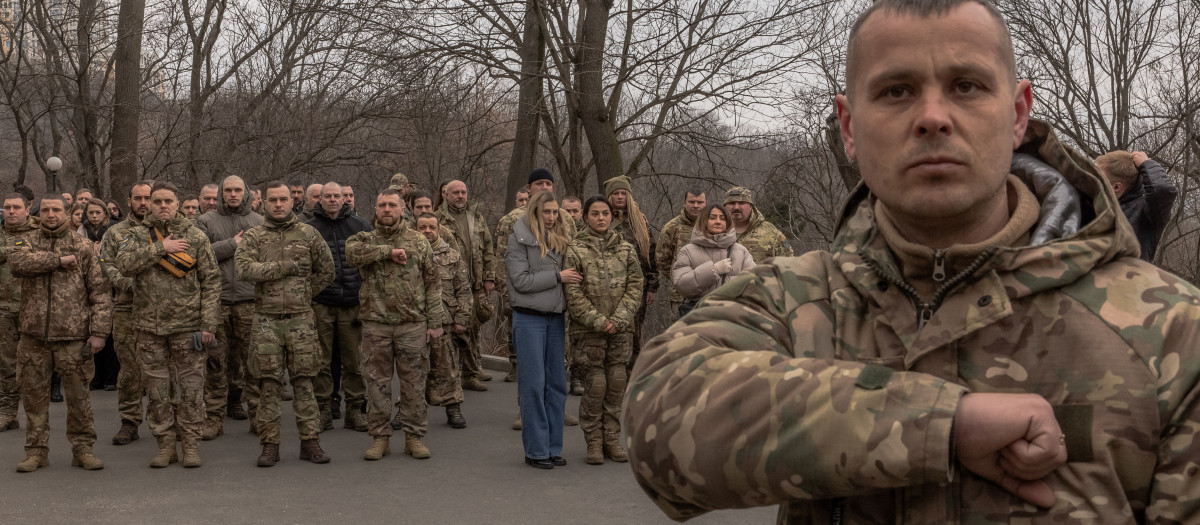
[56,389]
[335,408]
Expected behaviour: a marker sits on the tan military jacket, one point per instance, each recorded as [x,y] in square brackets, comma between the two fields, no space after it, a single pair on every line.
[811,383]
[456,288]
[676,234]
[10,287]
[612,282]
[164,304]
[481,260]
[763,239]
[59,304]
[394,293]
[109,247]
[288,262]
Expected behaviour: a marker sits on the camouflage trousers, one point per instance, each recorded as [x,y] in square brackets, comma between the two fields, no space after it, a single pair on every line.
[504,329]
[130,390]
[444,380]
[602,359]
[403,347]
[226,361]
[73,362]
[285,342]
[10,388]
[173,372]
[639,320]
[468,352]
[339,326]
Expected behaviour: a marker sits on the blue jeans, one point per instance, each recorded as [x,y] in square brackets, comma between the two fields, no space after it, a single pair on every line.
[542,381]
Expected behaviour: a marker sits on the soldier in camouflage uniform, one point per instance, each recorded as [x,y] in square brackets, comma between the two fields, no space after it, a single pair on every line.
[444,387]
[17,224]
[754,231]
[676,234]
[474,242]
[981,346]
[289,263]
[66,316]
[603,316]
[178,289]
[629,223]
[130,389]
[401,309]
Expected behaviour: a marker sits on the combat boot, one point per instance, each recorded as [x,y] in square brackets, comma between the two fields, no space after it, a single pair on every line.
[595,448]
[517,423]
[55,389]
[576,387]
[85,459]
[414,447]
[166,452]
[613,449]
[310,450]
[212,430]
[33,462]
[127,434]
[355,419]
[335,409]
[570,420]
[474,384]
[326,422]
[511,377]
[380,448]
[234,408]
[454,416]
[484,376]
[269,456]
[9,424]
[191,453]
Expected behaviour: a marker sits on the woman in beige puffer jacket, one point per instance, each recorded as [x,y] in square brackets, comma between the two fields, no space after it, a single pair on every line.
[712,257]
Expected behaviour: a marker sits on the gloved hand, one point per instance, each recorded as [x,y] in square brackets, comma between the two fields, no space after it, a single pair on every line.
[722,266]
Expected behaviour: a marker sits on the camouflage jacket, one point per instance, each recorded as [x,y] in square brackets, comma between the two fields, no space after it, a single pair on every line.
[649,265]
[456,288]
[163,303]
[612,282]
[58,304]
[394,293]
[675,234]
[109,247]
[481,261]
[288,262]
[10,287]
[810,383]
[763,239]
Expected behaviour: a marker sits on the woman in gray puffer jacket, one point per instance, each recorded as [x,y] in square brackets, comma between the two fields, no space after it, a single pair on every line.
[712,257]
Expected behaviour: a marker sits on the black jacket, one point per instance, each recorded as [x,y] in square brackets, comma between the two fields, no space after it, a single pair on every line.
[1147,205]
[344,290]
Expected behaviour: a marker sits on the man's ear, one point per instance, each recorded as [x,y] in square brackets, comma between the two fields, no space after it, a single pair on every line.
[843,115]
[1023,106]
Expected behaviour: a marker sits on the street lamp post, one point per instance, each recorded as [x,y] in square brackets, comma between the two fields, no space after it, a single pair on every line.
[54,164]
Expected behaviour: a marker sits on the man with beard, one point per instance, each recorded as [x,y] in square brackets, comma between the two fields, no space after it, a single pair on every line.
[754,231]
[209,195]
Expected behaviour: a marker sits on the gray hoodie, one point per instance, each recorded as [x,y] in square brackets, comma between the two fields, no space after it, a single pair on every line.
[221,225]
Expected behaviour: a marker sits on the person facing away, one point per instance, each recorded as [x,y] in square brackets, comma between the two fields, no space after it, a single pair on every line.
[970,351]
[1145,192]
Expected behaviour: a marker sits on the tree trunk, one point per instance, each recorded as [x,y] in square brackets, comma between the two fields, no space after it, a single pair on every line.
[593,112]
[127,96]
[529,100]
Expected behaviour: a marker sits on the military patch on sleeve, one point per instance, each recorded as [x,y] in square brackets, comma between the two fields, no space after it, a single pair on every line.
[19,242]
[874,377]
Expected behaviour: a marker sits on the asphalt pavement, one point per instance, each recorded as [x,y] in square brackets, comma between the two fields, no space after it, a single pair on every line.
[477,475]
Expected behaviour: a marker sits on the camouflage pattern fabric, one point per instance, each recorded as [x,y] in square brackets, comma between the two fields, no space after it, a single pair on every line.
[763,239]
[504,230]
[402,346]
[481,261]
[10,287]
[612,282]
[236,336]
[810,382]
[110,245]
[288,261]
[602,359]
[73,362]
[173,374]
[59,304]
[285,342]
[394,293]
[649,268]
[341,325]
[130,389]
[10,388]
[167,304]
[445,380]
[676,234]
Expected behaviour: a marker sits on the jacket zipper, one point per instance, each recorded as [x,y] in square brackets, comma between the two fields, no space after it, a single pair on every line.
[925,310]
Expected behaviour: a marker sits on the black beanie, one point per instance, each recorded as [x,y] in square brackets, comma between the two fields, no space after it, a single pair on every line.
[540,174]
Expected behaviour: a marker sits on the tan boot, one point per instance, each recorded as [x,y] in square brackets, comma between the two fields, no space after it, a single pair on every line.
[414,447]
[517,423]
[474,384]
[595,448]
[269,456]
[212,430]
[166,453]
[127,434]
[570,420]
[380,448]
[191,453]
[85,459]
[33,462]
[613,449]
[310,450]
[9,423]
